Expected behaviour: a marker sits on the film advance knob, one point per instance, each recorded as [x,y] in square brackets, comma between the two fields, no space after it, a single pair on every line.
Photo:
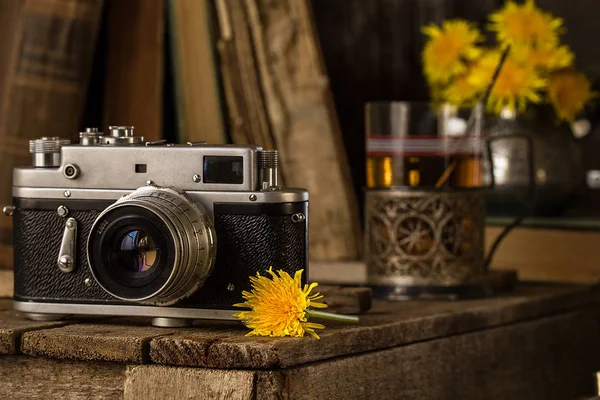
[121,131]
[122,136]
[45,152]
[89,137]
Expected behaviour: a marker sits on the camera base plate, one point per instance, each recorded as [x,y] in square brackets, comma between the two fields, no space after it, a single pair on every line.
[161,316]
[171,322]
[45,317]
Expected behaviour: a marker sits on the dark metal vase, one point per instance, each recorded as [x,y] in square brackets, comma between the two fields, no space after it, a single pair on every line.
[559,171]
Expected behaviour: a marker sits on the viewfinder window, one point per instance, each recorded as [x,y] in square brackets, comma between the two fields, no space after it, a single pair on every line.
[224,169]
[140,168]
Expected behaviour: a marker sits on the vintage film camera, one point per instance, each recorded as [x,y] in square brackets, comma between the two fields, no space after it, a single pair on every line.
[116,226]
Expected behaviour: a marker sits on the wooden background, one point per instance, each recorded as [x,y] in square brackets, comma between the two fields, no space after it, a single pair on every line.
[371,51]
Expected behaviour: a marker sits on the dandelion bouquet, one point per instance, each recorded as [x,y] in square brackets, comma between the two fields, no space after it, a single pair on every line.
[539,69]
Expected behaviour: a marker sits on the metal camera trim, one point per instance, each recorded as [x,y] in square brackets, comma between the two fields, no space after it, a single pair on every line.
[62,309]
[198,264]
[163,164]
[71,167]
[113,167]
[287,195]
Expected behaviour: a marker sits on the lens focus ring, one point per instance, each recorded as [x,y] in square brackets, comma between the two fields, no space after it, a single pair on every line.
[190,229]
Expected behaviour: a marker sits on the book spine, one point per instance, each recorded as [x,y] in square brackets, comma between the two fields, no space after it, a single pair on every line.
[134,66]
[197,79]
[173,39]
[47,47]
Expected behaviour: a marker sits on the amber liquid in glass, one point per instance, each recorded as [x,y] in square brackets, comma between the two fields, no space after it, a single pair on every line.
[424,171]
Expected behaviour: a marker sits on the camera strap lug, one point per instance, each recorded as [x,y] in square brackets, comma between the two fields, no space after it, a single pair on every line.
[66,256]
[9,210]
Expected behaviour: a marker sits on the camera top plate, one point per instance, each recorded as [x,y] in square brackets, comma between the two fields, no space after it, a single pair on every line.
[129,167]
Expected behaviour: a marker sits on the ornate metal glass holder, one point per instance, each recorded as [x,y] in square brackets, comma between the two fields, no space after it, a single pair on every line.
[425,202]
[425,242]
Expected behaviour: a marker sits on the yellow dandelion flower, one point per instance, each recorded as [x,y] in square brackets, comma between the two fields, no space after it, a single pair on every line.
[568,92]
[448,48]
[461,92]
[280,306]
[546,56]
[516,85]
[517,24]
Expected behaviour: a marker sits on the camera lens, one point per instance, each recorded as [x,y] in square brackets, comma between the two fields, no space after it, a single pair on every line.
[137,252]
[155,246]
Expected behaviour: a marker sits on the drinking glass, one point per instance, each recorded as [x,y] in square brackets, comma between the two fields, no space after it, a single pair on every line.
[424,198]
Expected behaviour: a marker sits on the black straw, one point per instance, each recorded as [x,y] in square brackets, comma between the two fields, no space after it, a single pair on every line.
[483,101]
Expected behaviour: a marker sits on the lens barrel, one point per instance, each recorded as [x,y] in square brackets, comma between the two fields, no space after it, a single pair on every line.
[155,246]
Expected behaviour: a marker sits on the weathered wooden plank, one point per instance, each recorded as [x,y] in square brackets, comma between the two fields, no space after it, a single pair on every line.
[13,327]
[23,377]
[191,346]
[146,382]
[346,300]
[388,324]
[118,342]
[554,357]
[550,358]
[107,342]
[224,344]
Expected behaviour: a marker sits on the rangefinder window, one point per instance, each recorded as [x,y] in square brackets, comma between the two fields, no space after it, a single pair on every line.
[224,169]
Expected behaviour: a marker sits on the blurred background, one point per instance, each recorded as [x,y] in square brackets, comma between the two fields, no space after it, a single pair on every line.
[291,75]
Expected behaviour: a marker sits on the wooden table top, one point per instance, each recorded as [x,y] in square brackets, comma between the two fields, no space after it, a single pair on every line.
[224,344]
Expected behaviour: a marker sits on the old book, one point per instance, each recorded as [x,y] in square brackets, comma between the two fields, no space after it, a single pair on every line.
[548,254]
[133,92]
[278,96]
[197,90]
[47,48]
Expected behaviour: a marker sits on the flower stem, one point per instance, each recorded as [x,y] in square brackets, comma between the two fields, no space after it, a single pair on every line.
[333,316]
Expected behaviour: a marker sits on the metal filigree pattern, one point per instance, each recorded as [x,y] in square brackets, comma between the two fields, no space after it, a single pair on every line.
[424,238]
